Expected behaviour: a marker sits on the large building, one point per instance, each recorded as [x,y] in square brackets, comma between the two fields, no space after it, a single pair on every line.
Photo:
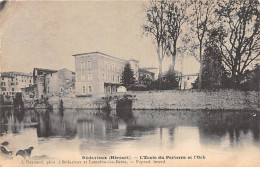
[13,82]
[98,73]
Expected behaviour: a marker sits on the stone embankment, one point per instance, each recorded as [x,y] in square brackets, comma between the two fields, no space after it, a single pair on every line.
[171,99]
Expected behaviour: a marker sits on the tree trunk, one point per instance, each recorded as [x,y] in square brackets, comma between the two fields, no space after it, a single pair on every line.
[160,66]
[201,66]
[174,57]
[200,74]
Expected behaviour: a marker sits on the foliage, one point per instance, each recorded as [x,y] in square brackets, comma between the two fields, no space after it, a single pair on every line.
[201,22]
[170,81]
[138,87]
[251,79]
[213,69]
[239,41]
[128,76]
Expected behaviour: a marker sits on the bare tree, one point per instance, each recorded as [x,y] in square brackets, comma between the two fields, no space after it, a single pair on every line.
[176,17]
[202,20]
[156,27]
[239,35]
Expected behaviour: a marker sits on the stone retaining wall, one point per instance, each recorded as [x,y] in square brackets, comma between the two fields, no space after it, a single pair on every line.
[172,99]
[194,99]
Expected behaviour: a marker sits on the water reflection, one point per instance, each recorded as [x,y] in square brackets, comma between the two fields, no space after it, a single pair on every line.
[99,132]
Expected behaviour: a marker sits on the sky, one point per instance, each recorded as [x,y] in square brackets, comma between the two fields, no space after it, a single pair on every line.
[46,34]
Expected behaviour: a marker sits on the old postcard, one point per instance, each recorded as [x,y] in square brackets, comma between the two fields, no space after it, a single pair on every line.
[155,83]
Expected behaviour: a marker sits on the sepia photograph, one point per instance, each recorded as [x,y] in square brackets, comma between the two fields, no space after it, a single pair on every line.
[128,83]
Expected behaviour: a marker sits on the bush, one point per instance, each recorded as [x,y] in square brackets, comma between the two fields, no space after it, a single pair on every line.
[136,87]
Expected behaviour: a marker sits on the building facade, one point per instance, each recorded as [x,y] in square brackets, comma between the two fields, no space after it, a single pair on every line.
[60,83]
[53,82]
[98,73]
[146,77]
[13,82]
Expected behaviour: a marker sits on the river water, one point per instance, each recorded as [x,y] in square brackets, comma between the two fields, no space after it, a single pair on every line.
[219,138]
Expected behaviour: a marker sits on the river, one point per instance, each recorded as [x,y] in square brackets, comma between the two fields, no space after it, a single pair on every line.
[218,138]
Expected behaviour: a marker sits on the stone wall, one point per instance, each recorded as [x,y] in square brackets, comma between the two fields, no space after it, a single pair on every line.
[172,99]
[194,99]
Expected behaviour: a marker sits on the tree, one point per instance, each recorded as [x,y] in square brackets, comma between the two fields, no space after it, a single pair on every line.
[251,79]
[155,27]
[170,81]
[128,76]
[239,43]
[175,18]
[201,12]
[212,69]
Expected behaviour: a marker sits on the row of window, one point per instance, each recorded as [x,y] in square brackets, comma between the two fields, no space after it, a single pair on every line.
[10,93]
[112,78]
[12,84]
[83,65]
[109,66]
[88,90]
[17,80]
[83,77]
[4,89]
[108,89]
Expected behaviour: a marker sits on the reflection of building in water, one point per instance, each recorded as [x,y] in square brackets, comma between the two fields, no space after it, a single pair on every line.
[15,121]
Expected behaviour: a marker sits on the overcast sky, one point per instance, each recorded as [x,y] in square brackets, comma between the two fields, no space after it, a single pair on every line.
[47,34]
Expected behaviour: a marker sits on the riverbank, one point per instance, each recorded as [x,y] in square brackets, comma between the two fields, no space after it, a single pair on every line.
[170,100]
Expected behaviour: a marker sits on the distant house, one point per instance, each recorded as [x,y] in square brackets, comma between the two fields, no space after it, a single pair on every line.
[13,82]
[53,82]
[186,80]
[39,80]
[145,76]
[98,73]
[61,82]
[150,70]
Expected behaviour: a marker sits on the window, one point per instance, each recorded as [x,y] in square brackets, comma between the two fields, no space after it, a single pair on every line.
[89,89]
[16,83]
[82,65]
[30,81]
[61,89]
[3,89]
[83,89]
[3,78]
[108,66]
[48,89]
[89,76]
[2,83]
[22,80]
[83,78]
[89,65]
[12,89]
[113,78]
[118,79]
[48,80]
